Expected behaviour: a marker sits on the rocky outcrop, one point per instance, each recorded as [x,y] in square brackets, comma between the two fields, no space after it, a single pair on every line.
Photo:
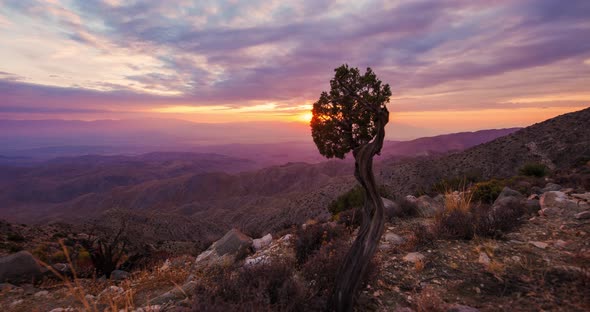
[234,245]
[554,202]
[20,267]
[428,207]
[262,242]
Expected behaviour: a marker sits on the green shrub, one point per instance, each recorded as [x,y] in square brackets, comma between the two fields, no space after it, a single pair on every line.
[354,198]
[487,192]
[534,170]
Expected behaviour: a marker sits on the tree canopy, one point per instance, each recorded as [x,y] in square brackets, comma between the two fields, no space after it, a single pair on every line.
[344,119]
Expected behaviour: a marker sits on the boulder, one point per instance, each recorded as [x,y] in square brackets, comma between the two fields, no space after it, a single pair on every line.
[553,202]
[532,206]
[394,239]
[20,267]
[428,207]
[413,257]
[262,242]
[583,215]
[507,198]
[390,208]
[550,187]
[119,275]
[234,245]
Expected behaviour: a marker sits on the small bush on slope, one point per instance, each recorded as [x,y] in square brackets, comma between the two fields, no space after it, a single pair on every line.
[534,170]
[488,191]
[461,220]
[309,240]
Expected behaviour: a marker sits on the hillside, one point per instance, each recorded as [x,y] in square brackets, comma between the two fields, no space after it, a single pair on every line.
[560,142]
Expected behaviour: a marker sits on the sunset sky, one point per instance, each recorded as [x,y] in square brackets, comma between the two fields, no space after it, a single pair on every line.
[452,65]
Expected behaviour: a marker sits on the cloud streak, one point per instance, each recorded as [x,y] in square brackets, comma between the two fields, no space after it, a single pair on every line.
[104,55]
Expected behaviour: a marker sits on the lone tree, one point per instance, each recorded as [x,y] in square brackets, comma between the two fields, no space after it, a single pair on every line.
[352,117]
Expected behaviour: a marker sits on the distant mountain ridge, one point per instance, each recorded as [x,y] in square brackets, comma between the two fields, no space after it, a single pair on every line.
[559,142]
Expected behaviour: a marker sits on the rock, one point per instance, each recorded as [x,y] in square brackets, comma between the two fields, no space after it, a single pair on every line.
[533,196]
[550,187]
[582,215]
[414,257]
[532,206]
[89,297]
[112,291]
[119,275]
[541,245]
[428,207]
[411,198]
[394,239]
[554,201]
[234,245]
[536,190]
[508,192]
[585,196]
[42,293]
[560,244]
[286,238]
[150,308]
[176,294]
[390,208]
[484,259]
[262,242]
[461,308]
[62,310]
[62,268]
[263,259]
[20,267]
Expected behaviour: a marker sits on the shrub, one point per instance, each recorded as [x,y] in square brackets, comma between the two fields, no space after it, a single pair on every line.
[268,287]
[495,222]
[310,239]
[351,218]
[456,224]
[534,170]
[487,192]
[354,198]
[321,268]
[58,257]
[15,237]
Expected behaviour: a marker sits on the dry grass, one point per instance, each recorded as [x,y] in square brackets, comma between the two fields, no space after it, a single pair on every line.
[103,295]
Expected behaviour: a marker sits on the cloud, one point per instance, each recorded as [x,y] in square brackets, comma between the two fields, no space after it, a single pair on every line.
[244,53]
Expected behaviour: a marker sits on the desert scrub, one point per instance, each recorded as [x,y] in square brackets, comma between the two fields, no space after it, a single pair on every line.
[308,240]
[488,191]
[534,170]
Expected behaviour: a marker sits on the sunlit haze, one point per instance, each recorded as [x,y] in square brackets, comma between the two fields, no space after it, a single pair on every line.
[452,65]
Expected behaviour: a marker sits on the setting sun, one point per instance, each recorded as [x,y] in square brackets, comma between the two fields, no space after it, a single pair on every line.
[305,117]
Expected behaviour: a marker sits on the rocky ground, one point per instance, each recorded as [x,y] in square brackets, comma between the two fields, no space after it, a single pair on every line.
[543,265]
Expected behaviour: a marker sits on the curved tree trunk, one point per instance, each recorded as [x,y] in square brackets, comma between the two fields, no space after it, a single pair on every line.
[354,268]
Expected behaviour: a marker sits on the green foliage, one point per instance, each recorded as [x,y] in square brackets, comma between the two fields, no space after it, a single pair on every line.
[344,118]
[534,170]
[488,191]
[354,198]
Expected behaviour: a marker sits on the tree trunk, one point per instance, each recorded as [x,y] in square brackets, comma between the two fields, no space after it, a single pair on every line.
[354,268]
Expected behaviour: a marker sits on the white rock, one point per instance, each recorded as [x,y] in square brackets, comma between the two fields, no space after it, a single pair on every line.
[583,215]
[262,242]
[414,257]
[560,243]
[394,239]
[541,245]
[42,293]
[16,302]
[257,260]
[484,259]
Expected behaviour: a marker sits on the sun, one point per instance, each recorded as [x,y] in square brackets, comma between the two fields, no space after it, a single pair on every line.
[305,117]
